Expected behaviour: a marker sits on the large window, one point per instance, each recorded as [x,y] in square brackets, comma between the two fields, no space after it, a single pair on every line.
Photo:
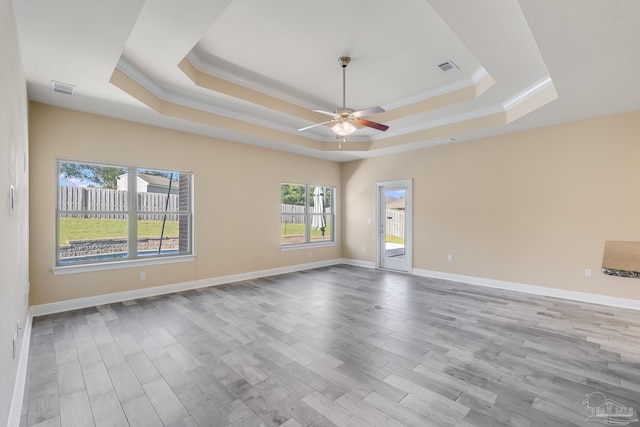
[111,213]
[308,215]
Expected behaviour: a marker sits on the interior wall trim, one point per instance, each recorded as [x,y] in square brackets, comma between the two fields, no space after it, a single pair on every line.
[15,410]
[359,263]
[533,289]
[62,306]
[75,304]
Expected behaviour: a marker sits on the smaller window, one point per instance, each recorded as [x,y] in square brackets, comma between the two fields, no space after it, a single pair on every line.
[307,214]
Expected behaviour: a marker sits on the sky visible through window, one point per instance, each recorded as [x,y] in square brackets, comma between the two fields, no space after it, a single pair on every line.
[75,182]
[395,193]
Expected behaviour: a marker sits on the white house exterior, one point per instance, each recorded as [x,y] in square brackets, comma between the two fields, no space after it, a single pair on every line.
[149,184]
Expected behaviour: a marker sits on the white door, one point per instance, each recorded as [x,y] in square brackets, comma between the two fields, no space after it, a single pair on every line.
[393,225]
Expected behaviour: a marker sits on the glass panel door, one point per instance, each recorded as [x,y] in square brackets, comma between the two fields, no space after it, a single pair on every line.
[394,222]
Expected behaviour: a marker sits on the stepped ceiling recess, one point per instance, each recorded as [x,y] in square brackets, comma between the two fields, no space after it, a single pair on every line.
[251,71]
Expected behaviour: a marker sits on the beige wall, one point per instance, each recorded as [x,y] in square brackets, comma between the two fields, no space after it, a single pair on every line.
[14,250]
[237,200]
[530,207]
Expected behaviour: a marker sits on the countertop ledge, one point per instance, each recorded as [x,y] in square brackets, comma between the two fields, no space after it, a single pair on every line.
[621,259]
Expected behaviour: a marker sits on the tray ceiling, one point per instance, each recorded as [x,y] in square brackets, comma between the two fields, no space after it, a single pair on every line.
[251,71]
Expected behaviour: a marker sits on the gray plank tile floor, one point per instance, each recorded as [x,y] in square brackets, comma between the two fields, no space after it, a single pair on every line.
[310,349]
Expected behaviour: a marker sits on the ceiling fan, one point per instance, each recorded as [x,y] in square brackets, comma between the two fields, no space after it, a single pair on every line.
[346,119]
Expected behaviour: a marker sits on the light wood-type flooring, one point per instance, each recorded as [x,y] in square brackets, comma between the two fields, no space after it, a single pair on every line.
[311,349]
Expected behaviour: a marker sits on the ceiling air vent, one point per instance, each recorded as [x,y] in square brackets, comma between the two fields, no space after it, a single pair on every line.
[64,88]
[448,66]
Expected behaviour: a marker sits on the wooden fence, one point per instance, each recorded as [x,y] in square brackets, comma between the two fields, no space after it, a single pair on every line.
[395,222]
[292,214]
[109,202]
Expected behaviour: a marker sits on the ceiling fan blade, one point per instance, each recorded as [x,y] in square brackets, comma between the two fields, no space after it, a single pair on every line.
[317,124]
[371,124]
[368,112]
[326,113]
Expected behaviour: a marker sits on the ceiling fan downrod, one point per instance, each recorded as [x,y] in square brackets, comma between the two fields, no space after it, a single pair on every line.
[344,61]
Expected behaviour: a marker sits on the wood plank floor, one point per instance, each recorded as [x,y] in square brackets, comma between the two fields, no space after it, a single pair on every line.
[311,349]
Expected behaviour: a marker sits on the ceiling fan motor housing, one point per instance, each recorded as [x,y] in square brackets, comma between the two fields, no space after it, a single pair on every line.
[344,111]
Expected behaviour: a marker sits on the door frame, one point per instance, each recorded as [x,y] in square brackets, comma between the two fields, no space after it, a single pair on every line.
[408,242]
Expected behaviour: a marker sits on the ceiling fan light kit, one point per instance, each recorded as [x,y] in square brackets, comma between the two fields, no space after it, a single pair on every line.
[345,118]
[343,127]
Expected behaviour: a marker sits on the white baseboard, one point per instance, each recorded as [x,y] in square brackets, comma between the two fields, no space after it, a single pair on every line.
[21,376]
[62,306]
[358,263]
[532,289]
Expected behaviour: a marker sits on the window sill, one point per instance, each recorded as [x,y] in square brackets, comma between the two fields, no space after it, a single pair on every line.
[306,246]
[116,265]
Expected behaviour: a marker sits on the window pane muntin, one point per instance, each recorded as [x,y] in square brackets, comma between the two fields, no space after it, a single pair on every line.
[106,210]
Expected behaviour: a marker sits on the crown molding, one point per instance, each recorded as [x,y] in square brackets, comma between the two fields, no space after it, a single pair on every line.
[463,83]
[287,109]
[528,93]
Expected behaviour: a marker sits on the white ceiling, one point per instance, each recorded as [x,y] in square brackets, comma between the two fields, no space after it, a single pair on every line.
[250,70]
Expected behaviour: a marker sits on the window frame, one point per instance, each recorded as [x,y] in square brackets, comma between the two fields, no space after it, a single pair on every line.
[131,214]
[308,218]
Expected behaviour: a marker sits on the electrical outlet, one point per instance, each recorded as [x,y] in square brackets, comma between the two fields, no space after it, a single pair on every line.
[364,249]
[449,257]
[310,254]
[143,276]
[587,272]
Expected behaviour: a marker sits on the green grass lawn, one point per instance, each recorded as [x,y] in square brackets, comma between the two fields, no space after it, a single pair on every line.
[394,239]
[298,230]
[93,228]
